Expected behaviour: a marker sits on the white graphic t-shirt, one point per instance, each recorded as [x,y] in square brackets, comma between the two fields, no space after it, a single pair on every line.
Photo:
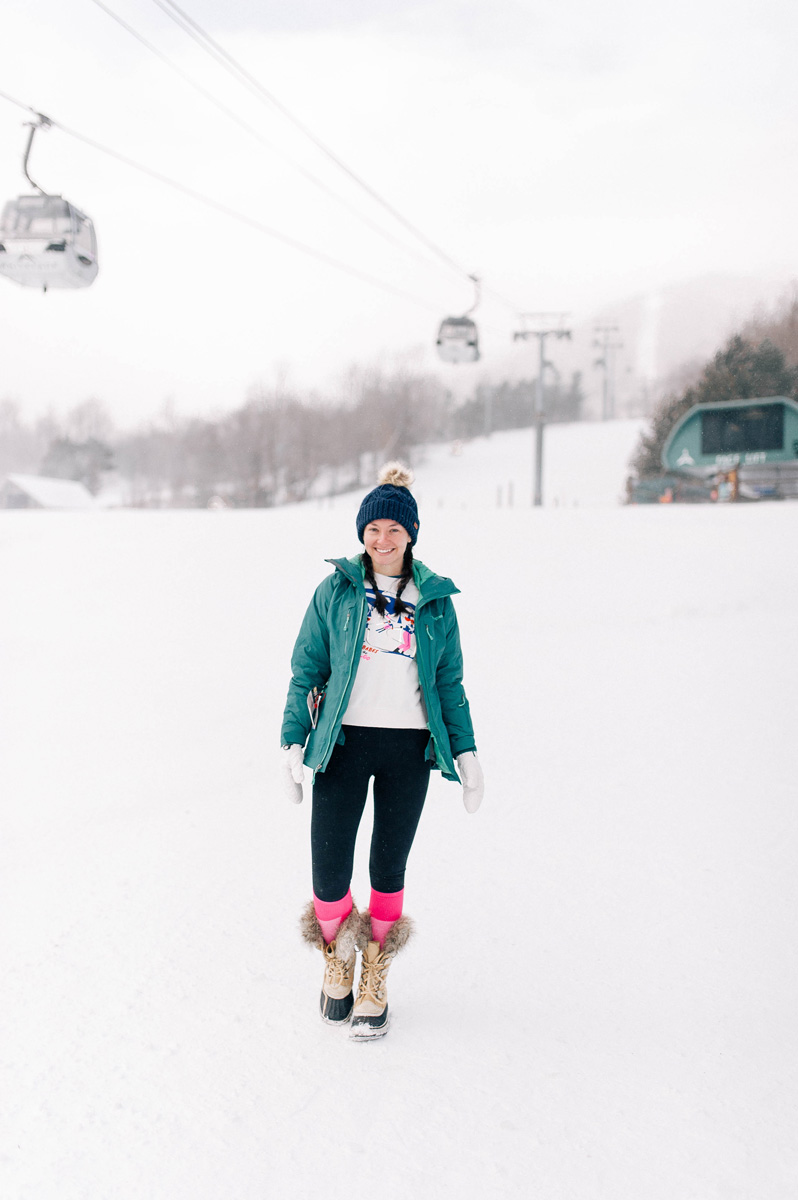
[386,692]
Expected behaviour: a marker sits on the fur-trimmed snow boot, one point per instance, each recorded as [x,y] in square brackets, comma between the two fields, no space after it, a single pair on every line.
[336,1000]
[370,1014]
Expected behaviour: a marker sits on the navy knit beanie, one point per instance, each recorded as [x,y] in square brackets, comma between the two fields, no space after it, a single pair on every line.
[391,501]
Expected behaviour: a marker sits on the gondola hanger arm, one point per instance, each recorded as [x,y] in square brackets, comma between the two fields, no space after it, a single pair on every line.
[42,123]
[475,280]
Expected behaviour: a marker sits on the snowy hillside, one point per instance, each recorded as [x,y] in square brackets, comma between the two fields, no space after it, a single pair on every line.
[584,465]
[600,1001]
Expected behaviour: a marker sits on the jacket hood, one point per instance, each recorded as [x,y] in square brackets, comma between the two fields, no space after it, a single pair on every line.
[430,586]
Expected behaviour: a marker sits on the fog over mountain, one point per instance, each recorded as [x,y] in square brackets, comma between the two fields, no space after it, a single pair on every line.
[574,158]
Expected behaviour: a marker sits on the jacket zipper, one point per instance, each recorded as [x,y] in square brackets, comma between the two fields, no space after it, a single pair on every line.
[422,680]
[346,687]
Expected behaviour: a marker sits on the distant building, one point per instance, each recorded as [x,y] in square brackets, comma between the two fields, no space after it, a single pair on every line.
[36,491]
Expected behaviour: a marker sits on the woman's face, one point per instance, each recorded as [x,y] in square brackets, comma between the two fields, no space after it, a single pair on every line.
[385,542]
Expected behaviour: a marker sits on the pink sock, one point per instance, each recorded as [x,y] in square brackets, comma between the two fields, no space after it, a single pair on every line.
[386,908]
[331,914]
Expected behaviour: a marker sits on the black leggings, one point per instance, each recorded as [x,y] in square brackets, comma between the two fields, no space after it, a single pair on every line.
[396,759]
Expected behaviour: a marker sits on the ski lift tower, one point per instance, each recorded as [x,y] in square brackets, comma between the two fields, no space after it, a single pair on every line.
[603,341]
[540,326]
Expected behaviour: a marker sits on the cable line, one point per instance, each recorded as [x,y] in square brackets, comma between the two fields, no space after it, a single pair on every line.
[310,251]
[211,46]
[250,129]
[231,64]
[26,107]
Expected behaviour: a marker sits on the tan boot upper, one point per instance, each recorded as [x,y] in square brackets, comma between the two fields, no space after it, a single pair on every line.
[339,973]
[372,993]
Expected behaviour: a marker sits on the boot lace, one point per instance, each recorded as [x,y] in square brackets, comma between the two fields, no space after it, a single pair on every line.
[372,979]
[337,971]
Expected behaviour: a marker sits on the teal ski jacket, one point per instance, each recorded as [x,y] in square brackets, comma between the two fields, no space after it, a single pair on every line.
[327,653]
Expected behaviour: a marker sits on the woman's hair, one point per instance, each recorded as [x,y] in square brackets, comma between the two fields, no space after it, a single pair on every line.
[404,579]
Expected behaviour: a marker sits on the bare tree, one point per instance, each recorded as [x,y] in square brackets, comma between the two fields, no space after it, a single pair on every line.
[90,419]
[18,443]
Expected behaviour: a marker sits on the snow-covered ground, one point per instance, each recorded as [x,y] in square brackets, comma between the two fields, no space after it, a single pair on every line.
[600,1001]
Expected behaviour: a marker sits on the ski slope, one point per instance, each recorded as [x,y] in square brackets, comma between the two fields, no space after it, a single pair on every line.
[600,1000]
[584,465]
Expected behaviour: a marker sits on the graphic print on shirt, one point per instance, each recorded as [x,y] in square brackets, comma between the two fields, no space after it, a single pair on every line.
[391,633]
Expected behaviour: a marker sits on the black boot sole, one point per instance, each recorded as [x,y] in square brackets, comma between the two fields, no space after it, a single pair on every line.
[336,1012]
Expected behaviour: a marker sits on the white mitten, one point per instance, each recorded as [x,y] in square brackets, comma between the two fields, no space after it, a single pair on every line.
[292,772]
[472,780]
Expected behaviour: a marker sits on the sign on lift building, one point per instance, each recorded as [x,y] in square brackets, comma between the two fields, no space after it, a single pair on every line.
[734,433]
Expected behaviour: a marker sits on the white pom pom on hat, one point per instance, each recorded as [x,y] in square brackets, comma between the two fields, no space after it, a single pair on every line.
[395,473]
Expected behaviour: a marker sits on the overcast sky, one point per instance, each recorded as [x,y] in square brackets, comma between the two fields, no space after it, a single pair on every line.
[571,154]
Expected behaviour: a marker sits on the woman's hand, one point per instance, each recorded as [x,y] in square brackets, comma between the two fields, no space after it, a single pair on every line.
[472,780]
[292,772]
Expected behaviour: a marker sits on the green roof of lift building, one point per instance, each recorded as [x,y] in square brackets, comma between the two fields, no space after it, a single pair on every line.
[734,433]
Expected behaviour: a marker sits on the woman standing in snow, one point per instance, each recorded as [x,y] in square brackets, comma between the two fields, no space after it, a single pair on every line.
[376,691]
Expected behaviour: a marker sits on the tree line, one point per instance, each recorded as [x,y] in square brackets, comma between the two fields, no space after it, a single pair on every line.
[760,360]
[278,447]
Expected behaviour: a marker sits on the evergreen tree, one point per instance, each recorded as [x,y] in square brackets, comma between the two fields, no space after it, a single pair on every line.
[740,371]
[84,462]
[508,405]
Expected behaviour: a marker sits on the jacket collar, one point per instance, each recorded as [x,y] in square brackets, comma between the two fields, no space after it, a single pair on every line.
[430,586]
[351,568]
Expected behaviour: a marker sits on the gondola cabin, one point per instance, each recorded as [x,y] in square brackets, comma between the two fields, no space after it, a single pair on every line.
[46,242]
[457,340]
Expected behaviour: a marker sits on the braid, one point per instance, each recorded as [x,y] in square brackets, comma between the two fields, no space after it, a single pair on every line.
[379,599]
[405,578]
